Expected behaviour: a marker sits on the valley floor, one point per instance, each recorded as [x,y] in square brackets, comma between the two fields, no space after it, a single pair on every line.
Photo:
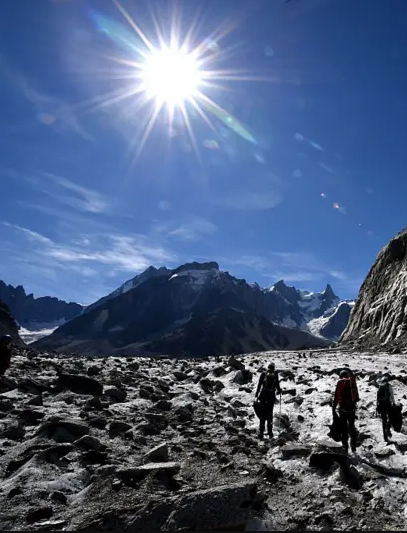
[77,453]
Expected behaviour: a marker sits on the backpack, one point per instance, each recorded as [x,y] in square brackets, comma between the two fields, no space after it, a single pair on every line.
[269,383]
[383,394]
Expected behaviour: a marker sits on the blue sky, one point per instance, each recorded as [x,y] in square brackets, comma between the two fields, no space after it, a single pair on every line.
[312,202]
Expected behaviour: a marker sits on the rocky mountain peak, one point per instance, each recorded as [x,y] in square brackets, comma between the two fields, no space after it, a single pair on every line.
[210,265]
[31,312]
[328,293]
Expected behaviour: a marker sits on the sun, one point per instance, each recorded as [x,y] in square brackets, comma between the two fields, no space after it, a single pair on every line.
[171,75]
[168,77]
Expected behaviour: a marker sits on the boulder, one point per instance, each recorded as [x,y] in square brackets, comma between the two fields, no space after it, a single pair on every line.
[117,428]
[235,363]
[159,454]
[225,507]
[63,430]
[87,442]
[116,394]
[290,451]
[326,454]
[180,376]
[79,384]
[242,377]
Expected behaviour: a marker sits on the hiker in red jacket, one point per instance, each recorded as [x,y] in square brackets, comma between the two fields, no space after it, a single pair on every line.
[5,353]
[346,397]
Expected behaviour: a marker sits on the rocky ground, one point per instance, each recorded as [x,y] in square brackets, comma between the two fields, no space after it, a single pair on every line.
[159,444]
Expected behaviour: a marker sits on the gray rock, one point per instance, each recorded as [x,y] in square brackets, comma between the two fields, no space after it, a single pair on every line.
[32,386]
[35,514]
[80,384]
[235,363]
[6,405]
[224,507]
[88,442]
[31,416]
[326,454]
[270,472]
[295,450]
[242,377]
[7,384]
[169,468]
[13,431]
[115,393]
[63,430]
[164,405]
[37,400]
[184,414]
[94,370]
[58,496]
[180,376]
[158,454]
[117,428]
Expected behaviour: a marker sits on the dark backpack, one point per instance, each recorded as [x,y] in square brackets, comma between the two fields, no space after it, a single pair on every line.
[383,394]
[270,382]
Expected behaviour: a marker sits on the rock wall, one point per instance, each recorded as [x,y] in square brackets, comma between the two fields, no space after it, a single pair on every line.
[379,318]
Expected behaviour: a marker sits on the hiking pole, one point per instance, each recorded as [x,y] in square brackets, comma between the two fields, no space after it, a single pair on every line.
[279,420]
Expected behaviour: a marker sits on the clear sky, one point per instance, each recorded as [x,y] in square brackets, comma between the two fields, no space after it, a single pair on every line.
[301,177]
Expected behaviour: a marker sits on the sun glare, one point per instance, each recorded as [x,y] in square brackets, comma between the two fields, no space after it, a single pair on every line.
[171,75]
[170,79]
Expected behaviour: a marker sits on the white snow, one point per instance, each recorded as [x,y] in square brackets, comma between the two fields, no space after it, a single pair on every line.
[29,336]
[198,278]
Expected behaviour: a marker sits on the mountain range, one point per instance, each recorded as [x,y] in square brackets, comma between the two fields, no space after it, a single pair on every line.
[198,309]
[37,313]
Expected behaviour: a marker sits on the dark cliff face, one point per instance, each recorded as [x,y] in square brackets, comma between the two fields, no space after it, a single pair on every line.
[379,318]
[165,312]
[44,310]
[8,325]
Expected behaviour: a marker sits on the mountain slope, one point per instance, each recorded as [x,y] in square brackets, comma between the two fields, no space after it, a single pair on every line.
[8,325]
[380,314]
[33,313]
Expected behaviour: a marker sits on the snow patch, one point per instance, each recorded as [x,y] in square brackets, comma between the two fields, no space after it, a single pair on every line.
[29,336]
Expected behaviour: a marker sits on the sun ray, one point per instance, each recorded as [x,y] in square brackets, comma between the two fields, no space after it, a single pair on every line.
[133,25]
[190,130]
[114,97]
[203,116]
[150,125]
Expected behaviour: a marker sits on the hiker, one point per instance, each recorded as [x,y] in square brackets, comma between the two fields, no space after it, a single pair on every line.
[5,353]
[385,402]
[346,397]
[267,387]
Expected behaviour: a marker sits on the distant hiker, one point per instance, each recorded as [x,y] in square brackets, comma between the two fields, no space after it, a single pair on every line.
[5,353]
[385,402]
[267,387]
[346,397]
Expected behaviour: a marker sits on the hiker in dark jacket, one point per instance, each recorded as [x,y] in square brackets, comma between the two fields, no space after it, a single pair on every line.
[385,401]
[5,353]
[346,398]
[267,387]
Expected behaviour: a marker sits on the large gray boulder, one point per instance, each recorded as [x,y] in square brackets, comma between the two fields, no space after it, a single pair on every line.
[224,507]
